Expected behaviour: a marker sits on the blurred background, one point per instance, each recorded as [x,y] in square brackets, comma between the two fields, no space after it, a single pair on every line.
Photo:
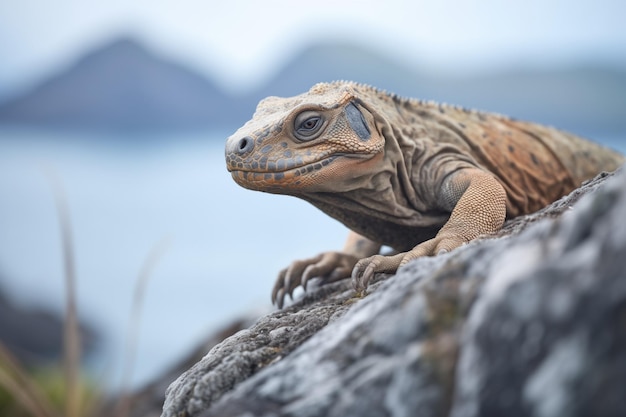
[128,105]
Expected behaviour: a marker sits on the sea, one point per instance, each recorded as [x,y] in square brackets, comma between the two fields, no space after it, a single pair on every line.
[165,209]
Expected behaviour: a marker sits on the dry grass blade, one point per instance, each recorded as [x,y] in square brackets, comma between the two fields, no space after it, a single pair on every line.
[71,331]
[155,254]
[19,384]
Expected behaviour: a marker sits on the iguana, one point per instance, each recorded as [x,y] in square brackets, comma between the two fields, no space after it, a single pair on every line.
[420,177]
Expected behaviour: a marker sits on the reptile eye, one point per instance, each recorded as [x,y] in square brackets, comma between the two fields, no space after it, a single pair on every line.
[308,124]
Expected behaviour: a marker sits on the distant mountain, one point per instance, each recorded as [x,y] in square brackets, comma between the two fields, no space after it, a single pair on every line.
[332,61]
[586,100]
[124,86]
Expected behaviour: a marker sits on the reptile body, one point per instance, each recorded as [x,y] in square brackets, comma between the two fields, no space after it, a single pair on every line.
[420,177]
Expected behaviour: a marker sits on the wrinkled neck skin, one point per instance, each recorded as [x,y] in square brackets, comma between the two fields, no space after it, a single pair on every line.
[381,195]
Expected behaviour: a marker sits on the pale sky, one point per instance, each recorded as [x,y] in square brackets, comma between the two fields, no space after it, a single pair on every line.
[241,42]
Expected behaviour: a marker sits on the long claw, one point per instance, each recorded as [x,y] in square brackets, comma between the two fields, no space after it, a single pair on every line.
[287,283]
[369,274]
[291,284]
[307,275]
[362,273]
[365,269]
[280,299]
[280,282]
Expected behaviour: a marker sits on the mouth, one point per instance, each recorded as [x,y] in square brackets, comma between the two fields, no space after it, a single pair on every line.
[276,172]
[290,176]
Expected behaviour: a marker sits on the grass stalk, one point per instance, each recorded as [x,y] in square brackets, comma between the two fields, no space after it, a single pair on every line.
[155,254]
[71,328]
[18,383]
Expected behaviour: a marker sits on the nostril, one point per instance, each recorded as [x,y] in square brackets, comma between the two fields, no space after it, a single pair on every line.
[245,145]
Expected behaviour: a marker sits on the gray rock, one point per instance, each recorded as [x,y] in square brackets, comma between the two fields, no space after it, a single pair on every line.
[34,335]
[531,322]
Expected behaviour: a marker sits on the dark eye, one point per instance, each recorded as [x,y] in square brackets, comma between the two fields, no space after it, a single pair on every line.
[308,124]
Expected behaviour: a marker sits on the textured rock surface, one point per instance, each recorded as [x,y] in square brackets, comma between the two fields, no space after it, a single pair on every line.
[530,322]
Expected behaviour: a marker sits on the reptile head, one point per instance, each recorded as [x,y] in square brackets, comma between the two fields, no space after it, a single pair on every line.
[322,140]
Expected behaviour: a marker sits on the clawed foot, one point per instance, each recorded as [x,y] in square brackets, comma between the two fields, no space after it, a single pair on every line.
[365,269]
[328,266]
[335,266]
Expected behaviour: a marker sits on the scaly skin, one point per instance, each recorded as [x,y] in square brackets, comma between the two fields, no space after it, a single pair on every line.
[420,177]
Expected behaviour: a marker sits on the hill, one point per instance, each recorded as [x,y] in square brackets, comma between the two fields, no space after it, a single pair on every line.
[121,86]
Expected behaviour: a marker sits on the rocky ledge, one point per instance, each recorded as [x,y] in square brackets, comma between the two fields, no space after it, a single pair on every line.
[530,322]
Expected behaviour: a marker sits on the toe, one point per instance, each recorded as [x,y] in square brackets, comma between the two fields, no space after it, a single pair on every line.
[280,282]
[365,269]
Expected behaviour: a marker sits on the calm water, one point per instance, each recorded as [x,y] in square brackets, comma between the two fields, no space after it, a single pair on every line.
[227,243]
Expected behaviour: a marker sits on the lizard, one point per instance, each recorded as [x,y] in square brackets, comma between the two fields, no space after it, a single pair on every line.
[420,177]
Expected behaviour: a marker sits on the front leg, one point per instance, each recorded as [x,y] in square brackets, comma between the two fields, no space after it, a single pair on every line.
[478,204]
[329,266]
